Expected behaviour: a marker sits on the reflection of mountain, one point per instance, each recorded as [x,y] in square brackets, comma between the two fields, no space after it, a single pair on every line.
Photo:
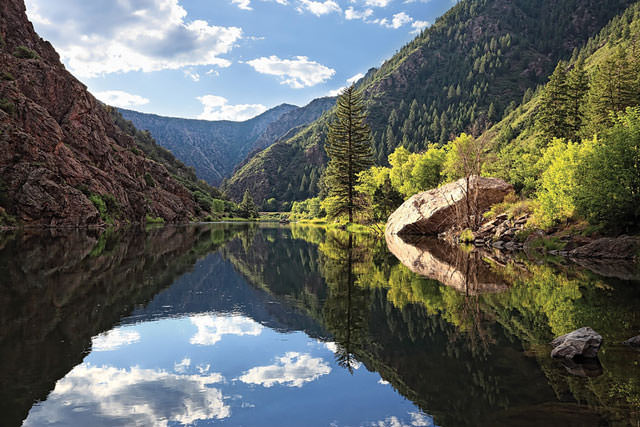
[214,286]
[59,290]
[464,271]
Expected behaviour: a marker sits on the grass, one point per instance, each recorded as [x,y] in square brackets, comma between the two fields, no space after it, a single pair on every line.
[548,244]
[512,206]
[24,52]
[154,219]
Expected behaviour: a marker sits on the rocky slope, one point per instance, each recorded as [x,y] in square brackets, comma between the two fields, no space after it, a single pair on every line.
[213,148]
[62,160]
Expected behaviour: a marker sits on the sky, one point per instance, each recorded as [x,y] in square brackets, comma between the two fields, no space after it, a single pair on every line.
[225,59]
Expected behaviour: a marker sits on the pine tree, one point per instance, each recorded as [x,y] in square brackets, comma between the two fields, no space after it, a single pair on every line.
[349,149]
[552,115]
[577,89]
[247,208]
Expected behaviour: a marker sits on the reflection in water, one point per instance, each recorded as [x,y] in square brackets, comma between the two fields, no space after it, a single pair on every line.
[465,271]
[301,326]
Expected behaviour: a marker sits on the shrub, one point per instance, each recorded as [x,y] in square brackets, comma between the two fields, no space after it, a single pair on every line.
[609,177]
[467,236]
[154,219]
[24,52]
[7,106]
[149,180]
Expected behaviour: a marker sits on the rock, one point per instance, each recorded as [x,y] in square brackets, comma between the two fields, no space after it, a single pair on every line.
[498,245]
[581,343]
[437,210]
[60,144]
[623,247]
[633,342]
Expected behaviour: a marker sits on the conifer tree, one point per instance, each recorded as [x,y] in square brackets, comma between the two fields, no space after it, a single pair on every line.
[349,149]
[247,208]
[552,116]
[577,89]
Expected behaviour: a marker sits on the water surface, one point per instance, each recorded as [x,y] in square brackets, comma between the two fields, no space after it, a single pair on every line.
[288,326]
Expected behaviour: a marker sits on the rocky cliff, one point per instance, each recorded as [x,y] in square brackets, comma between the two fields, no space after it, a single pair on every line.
[62,160]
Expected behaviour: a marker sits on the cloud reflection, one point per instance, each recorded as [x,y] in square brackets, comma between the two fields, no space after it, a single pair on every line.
[293,370]
[94,396]
[212,328]
[114,339]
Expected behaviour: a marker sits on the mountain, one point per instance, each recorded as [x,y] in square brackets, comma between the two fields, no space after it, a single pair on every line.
[216,148]
[63,162]
[517,140]
[475,64]
[213,148]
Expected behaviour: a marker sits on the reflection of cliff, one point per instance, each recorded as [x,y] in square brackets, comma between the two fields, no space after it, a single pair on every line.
[437,260]
[57,291]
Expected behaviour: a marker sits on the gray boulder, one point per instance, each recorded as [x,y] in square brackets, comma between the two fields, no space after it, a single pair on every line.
[438,210]
[581,343]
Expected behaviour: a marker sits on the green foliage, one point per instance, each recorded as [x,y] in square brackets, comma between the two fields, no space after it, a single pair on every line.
[150,219]
[349,149]
[308,209]
[149,179]
[559,182]
[7,106]
[412,173]
[107,206]
[7,76]
[24,52]
[465,157]
[609,176]
[247,208]
[467,236]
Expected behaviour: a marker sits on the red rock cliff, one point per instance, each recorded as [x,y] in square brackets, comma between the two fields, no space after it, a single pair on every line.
[58,145]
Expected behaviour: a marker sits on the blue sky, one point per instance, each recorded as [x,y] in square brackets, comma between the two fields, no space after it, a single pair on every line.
[225,59]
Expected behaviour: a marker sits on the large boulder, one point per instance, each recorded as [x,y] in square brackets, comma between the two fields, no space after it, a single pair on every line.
[438,210]
[633,342]
[581,343]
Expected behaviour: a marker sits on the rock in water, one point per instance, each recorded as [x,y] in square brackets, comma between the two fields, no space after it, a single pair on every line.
[583,342]
[633,342]
[437,210]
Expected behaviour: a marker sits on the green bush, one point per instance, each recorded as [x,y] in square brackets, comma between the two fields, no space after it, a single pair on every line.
[154,220]
[7,106]
[609,177]
[24,52]
[149,180]
[467,236]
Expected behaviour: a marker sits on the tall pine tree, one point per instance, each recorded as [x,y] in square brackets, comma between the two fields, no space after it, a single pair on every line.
[349,149]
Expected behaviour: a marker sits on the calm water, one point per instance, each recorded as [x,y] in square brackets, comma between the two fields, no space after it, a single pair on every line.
[297,326]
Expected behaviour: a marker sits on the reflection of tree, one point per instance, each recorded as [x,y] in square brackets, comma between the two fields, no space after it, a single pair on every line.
[345,311]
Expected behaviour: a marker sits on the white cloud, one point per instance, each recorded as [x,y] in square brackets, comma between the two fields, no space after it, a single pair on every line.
[398,20]
[212,328]
[383,382]
[351,14]
[114,339]
[297,73]
[377,3]
[129,35]
[92,395]
[318,8]
[119,98]
[243,4]
[419,26]
[192,75]
[350,81]
[182,366]
[417,420]
[293,370]
[354,79]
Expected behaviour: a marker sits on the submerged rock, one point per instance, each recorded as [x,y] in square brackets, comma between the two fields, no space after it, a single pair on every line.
[633,342]
[581,343]
[437,210]
[623,247]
